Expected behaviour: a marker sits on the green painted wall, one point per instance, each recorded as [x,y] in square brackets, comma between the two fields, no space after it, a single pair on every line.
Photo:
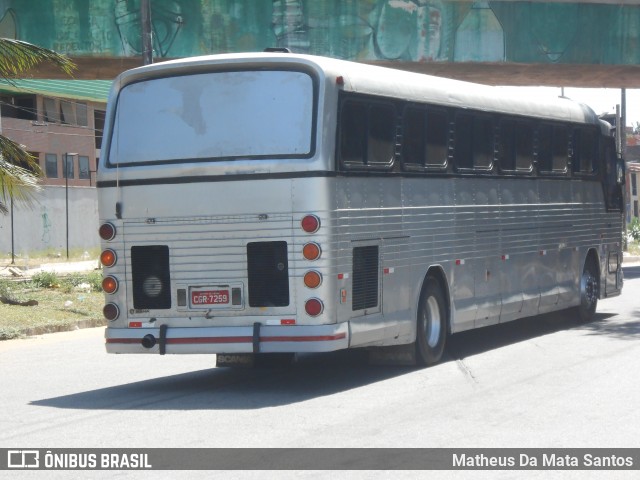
[410,30]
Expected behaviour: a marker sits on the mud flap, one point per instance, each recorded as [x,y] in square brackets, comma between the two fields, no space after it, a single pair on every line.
[404,355]
[245,360]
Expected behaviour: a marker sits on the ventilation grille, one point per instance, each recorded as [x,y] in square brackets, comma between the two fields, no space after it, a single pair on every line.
[268,273]
[150,274]
[365,277]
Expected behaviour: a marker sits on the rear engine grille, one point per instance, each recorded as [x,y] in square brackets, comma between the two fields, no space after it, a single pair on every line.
[151,279]
[268,273]
[365,277]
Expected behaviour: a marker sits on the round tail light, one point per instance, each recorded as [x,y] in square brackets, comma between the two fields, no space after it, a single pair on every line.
[108,258]
[310,224]
[312,279]
[109,284]
[107,231]
[311,251]
[111,311]
[313,307]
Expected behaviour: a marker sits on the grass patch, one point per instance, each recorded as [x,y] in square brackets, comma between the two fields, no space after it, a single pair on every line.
[634,248]
[63,304]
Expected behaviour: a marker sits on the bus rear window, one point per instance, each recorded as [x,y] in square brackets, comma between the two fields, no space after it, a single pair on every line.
[220,115]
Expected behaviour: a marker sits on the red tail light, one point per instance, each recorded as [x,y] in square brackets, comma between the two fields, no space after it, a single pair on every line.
[107,231]
[111,311]
[109,284]
[108,258]
[313,307]
[310,224]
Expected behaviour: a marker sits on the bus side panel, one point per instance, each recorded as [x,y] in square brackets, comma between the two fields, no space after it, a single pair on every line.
[464,256]
[486,225]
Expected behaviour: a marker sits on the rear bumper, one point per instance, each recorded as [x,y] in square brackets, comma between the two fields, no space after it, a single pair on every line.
[256,339]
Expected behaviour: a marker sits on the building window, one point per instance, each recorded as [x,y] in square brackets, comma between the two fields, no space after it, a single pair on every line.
[635,208]
[83,168]
[66,113]
[21,107]
[51,165]
[51,112]
[98,118]
[68,167]
[634,185]
[81,114]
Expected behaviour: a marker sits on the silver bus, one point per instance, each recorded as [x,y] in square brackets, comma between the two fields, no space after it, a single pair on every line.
[264,203]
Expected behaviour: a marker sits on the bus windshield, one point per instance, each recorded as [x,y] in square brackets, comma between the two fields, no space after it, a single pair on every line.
[221,115]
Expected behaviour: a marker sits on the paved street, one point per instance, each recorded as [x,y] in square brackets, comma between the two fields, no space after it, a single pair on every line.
[540,382]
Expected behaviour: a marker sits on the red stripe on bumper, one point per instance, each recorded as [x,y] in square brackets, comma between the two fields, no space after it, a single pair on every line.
[198,340]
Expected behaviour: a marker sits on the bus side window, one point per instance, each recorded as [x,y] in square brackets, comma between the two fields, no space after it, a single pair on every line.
[353,127]
[413,127]
[584,150]
[544,150]
[560,152]
[516,146]
[436,139]
[367,135]
[524,147]
[507,145]
[474,141]
[553,149]
[424,138]
[381,135]
[463,150]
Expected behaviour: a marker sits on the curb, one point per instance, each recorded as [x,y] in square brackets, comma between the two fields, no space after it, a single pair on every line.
[31,332]
[35,331]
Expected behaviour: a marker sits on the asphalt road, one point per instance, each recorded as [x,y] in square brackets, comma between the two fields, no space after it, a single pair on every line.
[541,382]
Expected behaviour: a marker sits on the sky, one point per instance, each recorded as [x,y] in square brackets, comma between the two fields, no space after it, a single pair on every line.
[601,100]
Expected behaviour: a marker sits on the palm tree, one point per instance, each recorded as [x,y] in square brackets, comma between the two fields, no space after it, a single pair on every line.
[19,171]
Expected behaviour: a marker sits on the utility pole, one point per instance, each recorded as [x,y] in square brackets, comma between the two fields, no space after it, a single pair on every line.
[147,40]
[623,121]
[13,246]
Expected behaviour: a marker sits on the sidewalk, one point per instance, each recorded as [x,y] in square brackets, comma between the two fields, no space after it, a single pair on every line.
[628,258]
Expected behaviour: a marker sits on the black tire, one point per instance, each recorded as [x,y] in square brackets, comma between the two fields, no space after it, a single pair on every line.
[589,291]
[431,323]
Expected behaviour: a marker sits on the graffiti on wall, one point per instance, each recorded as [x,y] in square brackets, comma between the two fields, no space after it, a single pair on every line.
[407,30]
[46,227]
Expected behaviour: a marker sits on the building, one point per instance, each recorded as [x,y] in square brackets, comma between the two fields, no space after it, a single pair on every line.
[59,122]
[632,157]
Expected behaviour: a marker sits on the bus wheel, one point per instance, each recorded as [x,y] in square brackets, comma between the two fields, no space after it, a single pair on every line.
[589,292]
[432,323]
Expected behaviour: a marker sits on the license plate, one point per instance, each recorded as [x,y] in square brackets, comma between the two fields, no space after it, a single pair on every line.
[200,298]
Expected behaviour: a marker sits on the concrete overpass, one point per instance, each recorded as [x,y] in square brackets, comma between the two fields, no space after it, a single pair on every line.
[588,43]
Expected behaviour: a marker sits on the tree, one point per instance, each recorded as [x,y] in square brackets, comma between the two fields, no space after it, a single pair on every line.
[19,171]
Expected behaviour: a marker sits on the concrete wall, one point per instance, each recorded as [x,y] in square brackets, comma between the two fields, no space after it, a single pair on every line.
[42,228]
[570,32]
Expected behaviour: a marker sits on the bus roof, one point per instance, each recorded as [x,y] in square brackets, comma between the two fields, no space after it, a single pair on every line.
[379,81]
